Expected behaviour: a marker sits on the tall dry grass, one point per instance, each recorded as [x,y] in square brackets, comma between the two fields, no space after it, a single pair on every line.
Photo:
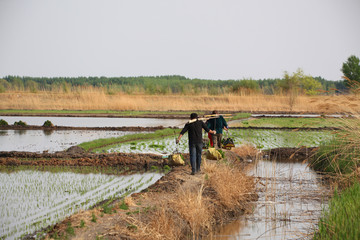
[231,185]
[97,99]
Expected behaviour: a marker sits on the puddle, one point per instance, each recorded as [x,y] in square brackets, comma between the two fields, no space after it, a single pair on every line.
[31,200]
[97,121]
[291,199]
[51,141]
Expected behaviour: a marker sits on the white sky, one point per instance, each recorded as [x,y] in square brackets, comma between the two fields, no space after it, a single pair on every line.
[208,39]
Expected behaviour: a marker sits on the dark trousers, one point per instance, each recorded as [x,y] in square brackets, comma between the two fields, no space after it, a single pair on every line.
[195,150]
[217,140]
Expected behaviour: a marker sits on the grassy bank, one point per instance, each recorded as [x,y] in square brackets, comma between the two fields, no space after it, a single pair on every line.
[105,142]
[340,157]
[342,218]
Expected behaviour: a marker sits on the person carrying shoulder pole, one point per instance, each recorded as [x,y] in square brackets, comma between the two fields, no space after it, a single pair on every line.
[194,128]
[217,123]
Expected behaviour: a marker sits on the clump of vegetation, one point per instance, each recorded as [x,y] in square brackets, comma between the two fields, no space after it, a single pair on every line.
[336,157]
[167,168]
[48,123]
[123,205]
[93,217]
[70,230]
[3,122]
[222,153]
[20,123]
[82,223]
[341,154]
[342,219]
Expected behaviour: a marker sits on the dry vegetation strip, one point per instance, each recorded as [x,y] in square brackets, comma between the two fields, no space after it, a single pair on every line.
[97,99]
[179,206]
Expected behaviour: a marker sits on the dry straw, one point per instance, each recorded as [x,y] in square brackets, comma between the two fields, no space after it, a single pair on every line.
[97,99]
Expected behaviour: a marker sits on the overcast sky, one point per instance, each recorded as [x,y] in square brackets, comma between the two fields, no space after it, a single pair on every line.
[208,39]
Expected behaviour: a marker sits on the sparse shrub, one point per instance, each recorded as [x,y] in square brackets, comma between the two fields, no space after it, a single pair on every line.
[70,230]
[123,206]
[167,168]
[48,123]
[3,122]
[82,223]
[20,123]
[93,217]
[154,168]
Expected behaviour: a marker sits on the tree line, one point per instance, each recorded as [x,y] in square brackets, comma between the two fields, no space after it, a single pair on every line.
[175,84]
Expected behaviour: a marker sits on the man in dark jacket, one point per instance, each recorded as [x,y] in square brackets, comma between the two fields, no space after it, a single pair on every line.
[194,128]
[217,123]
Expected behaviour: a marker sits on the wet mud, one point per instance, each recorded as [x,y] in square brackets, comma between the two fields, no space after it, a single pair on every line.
[290,154]
[76,156]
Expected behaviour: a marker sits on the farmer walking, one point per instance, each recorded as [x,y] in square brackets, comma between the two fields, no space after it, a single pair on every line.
[194,128]
[217,123]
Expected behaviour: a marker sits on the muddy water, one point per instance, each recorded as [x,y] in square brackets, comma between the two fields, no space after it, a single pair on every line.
[97,121]
[291,198]
[51,141]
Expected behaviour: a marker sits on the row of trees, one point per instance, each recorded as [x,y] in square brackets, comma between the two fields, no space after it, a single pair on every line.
[303,84]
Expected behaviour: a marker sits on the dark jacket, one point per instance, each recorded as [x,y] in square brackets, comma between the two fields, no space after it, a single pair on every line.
[217,124]
[195,131]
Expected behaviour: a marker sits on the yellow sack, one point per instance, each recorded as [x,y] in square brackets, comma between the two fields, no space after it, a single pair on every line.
[213,154]
[176,160]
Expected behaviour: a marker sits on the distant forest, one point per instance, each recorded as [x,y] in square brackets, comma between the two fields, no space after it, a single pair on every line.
[160,85]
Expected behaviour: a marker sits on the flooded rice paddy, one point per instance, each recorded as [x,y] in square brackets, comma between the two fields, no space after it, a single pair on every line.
[31,200]
[291,198]
[51,141]
[96,121]
[262,139]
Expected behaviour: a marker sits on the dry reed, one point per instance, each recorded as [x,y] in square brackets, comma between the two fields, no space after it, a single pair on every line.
[194,208]
[225,181]
[96,99]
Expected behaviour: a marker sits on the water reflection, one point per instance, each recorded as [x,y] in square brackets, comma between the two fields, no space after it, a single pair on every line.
[97,121]
[39,140]
[20,132]
[291,198]
[48,132]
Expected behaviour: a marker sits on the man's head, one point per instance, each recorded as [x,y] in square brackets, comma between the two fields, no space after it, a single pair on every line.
[193,116]
[214,112]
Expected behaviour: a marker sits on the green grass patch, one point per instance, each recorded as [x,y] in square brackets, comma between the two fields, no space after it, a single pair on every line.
[240,116]
[290,122]
[342,218]
[101,144]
